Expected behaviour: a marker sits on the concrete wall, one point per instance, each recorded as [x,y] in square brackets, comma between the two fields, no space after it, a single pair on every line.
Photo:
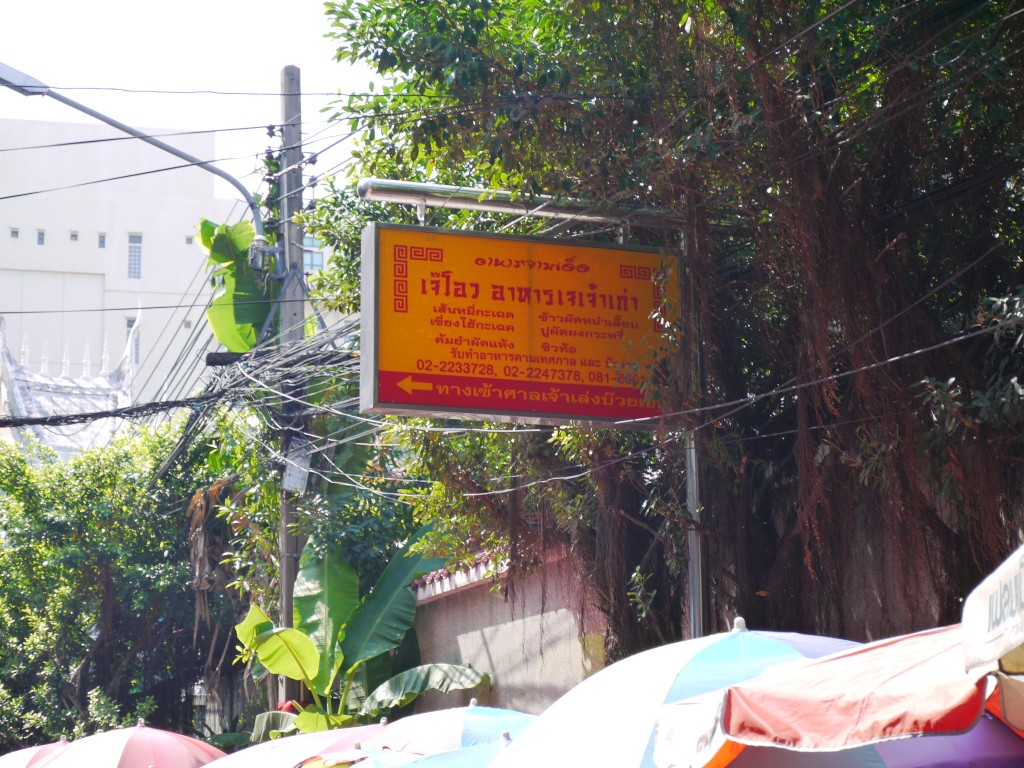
[535,648]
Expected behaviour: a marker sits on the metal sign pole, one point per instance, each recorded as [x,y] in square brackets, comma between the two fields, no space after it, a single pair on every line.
[694,543]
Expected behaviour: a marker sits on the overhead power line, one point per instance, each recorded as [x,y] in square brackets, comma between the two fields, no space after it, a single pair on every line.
[132,308]
[128,412]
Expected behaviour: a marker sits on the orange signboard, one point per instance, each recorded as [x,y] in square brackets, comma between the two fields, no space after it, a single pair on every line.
[507,328]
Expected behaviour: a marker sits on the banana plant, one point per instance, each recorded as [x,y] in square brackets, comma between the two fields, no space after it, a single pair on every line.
[242,300]
[342,643]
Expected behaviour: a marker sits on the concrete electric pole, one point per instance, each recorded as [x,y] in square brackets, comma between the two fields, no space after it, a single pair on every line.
[292,315]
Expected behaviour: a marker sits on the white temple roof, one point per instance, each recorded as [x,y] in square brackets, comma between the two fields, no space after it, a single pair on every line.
[26,394]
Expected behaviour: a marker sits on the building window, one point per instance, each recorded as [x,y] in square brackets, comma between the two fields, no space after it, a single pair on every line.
[40,237]
[14,233]
[102,242]
[133,338]
[135,257]
[74,237]
[312,255]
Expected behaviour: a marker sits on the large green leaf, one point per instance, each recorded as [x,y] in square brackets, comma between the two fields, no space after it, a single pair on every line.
[235,336]
[406,686]
[286,651]
[272,725]
[229,741]
[255,623]
[242,302]
[326,593]
[383,618]
[366,677]
[312,719]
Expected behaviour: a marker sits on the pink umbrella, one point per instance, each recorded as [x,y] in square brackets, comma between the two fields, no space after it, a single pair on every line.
[289,751]
[136,747]
[30,756]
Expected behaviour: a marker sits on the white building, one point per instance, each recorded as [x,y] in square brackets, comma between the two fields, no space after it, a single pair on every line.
[96,236]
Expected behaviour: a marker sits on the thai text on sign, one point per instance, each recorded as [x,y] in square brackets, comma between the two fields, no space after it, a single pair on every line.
[460,323]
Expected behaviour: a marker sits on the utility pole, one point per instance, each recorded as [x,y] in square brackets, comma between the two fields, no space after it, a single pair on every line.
[292,314]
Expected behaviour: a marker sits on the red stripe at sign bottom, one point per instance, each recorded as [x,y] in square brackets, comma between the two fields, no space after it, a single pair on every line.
[471,394]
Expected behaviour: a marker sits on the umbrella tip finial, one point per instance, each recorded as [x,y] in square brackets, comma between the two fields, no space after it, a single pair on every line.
[63,739]
[383,721]
[473,702]
[739,624]
[506,738]
[140,722]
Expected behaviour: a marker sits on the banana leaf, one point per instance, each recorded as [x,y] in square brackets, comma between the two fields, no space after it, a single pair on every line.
[312,719]
[242,301]
[255,623]
[326,593]
[403,688]
[286,651]
[272,725]
[382,619]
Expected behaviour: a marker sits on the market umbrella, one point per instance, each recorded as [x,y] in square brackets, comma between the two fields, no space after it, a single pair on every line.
[930,682]
[909,685]
[288,751]
[447,729]
[935,684]
[474,756]
[609,718]
[135,747]
[363,758]
[989,744]
[864,704]
[25,758]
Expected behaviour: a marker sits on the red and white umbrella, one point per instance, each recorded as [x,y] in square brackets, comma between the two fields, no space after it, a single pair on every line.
[912,685]
[135,747]
[862,706]
[937,681]
[31,756]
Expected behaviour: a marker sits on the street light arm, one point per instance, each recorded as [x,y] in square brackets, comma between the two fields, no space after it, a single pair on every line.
[29,86]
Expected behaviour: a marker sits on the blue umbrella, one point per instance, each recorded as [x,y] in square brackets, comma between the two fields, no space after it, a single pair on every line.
[447,729]
[610,718]
[476,756]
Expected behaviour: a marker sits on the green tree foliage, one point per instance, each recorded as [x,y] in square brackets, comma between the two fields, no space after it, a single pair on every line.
[850,180]
[351,499]
[95,605]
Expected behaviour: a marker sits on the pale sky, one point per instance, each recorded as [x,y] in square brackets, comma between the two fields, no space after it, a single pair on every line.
[101,53]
